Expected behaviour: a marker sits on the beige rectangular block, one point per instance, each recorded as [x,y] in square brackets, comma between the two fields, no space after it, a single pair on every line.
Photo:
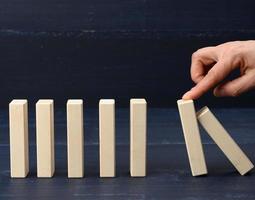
[45,138]
[107,137]
[75,150]
[19,147]
[224,141]
[138,129]
[192,137]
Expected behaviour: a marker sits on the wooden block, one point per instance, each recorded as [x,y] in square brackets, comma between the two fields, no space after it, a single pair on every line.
[138,129]
[19,147]
[224,141]
[45,138]
[107,137]
[192,137]
[75,139]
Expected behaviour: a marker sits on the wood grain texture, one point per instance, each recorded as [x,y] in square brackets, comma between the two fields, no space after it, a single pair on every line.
[192,137]
[75,138]
[107,137]
[114,15]
[89,43]
[225,142]
[168,171]
[45,138]
[19,143]
[138,137]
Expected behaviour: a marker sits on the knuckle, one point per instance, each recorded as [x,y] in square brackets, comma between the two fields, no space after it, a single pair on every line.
[213,73]
[235,93]
[197,54]
[233,52]
[233,58]
[203,90]
[194,55]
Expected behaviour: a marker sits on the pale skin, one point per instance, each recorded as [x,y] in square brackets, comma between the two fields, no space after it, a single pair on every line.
[210,66]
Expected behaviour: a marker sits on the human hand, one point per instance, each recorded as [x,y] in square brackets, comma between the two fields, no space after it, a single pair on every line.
[211,65]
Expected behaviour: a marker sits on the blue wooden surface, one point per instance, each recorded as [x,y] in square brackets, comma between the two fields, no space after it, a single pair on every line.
[92,46]
[168,176]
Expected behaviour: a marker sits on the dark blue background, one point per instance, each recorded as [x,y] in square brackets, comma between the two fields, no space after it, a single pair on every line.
[95,49]
[120,49]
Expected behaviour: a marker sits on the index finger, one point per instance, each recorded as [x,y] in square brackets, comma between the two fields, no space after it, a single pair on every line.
[219,71]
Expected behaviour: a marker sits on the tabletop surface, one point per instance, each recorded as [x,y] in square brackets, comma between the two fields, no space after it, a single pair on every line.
[168,171]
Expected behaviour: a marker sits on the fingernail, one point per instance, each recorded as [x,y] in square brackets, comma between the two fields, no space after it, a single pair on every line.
[187,95]
[192,88]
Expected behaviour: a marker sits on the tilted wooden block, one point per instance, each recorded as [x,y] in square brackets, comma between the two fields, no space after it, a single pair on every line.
[138,130]
[224,141]
[45,138]
[107,137]
[19,147]
[75,150]
[192,137]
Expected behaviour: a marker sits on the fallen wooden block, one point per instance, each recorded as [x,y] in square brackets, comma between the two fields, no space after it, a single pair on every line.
[19,147]
[224,141]
[107,137]
[138,129]
[45,138]
[192,137]
[75,150]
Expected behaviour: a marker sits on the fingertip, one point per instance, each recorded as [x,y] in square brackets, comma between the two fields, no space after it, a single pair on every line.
[187,96]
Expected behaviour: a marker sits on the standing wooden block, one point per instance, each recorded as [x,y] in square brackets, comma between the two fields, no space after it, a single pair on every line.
[138,129]
[75,139]
[192,137]
[107,137]
[45,138]
[224,141]
[19,147]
